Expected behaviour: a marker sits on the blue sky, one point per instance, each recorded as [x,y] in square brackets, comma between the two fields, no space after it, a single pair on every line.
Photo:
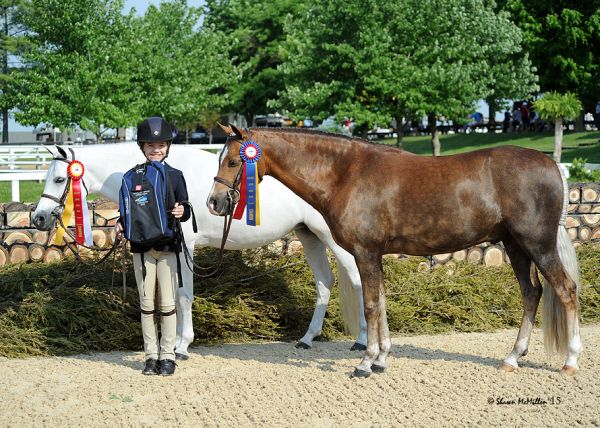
[142,5]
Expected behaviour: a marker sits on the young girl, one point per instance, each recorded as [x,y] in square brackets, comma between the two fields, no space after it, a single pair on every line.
[155,264]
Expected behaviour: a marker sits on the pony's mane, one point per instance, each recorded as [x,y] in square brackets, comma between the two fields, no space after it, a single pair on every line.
[314,132]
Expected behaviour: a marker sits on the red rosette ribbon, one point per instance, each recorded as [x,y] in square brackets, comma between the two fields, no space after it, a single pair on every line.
[75,171]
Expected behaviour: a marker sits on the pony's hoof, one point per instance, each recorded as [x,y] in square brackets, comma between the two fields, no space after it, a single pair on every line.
[181,357]
[505,367]
[302,345]
[360,373]
[358,347]
[377,369]
[569,371]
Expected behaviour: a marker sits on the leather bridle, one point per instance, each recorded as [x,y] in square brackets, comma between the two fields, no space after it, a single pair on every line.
[60,201]
[234,187]
[57,211]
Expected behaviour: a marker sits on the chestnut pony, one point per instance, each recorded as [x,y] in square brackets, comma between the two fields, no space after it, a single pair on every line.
[378,199]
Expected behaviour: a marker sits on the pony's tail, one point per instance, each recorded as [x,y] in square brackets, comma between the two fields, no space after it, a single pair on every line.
[554,320]
[348,303]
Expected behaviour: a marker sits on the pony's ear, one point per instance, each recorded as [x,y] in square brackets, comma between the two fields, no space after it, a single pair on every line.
[61,151]
[236,131]
[226,129]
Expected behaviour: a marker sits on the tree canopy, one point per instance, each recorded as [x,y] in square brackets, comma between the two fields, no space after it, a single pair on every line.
[375,61]
[77,70]
[91,66]
[563,41]
[181,71]
[88,65]
[256,30]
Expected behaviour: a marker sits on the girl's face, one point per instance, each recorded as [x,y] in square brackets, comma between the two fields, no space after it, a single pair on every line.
[155,151]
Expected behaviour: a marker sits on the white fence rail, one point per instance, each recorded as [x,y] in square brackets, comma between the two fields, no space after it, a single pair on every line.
[13,156]
[30,162]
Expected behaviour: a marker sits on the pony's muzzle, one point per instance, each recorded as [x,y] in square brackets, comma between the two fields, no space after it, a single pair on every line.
[43,221]
[220,204]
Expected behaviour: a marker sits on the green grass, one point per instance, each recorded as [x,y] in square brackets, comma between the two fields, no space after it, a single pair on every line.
[30,192]
[575,144]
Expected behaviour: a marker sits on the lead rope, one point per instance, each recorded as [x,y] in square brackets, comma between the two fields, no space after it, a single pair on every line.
[123,267]
[189,258]
[76,253]
[227,221]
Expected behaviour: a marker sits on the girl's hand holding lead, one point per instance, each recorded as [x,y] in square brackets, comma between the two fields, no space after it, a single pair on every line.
[177,210]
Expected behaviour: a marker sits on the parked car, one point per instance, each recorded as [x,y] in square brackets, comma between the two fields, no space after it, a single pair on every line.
[332,125]
[275,120]
[199,136]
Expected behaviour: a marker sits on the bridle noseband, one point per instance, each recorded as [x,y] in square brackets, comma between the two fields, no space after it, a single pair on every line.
[235,186]
[62,200]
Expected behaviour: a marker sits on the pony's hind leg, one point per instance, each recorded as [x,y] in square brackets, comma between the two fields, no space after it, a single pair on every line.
[316,256]
[561,301]
[351,298]
[183,301]
[350,287]
[530,294]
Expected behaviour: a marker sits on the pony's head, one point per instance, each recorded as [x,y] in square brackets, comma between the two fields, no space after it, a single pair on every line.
[55,191]
[225,192]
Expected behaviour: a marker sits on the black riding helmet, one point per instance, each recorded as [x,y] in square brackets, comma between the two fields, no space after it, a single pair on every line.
[154,129]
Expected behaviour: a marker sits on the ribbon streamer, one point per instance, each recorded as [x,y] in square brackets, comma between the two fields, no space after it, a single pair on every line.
[76,204]
[241,206]
[249,197]
[66,219]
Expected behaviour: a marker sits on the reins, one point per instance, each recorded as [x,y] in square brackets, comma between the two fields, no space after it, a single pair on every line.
[227,221]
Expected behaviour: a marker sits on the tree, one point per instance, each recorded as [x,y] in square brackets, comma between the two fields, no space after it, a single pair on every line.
[12,43]
[554,106]
[181,71]
[94,68]
[563,41]
[402,60]
[327,52]
[78,70]
[210,119]
[514,80]
[256,30]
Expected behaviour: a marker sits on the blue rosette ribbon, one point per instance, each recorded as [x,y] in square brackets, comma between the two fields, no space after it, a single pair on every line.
[250,153]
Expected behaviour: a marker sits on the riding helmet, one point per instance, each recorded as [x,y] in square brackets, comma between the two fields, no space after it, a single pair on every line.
[154,129]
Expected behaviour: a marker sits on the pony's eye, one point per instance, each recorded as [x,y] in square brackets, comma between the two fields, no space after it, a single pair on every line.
[59,180]
[233,162]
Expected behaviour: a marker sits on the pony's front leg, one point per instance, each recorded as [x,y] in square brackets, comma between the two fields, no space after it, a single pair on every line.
[385,343]
[316,256]
[183,302]
[371,273]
